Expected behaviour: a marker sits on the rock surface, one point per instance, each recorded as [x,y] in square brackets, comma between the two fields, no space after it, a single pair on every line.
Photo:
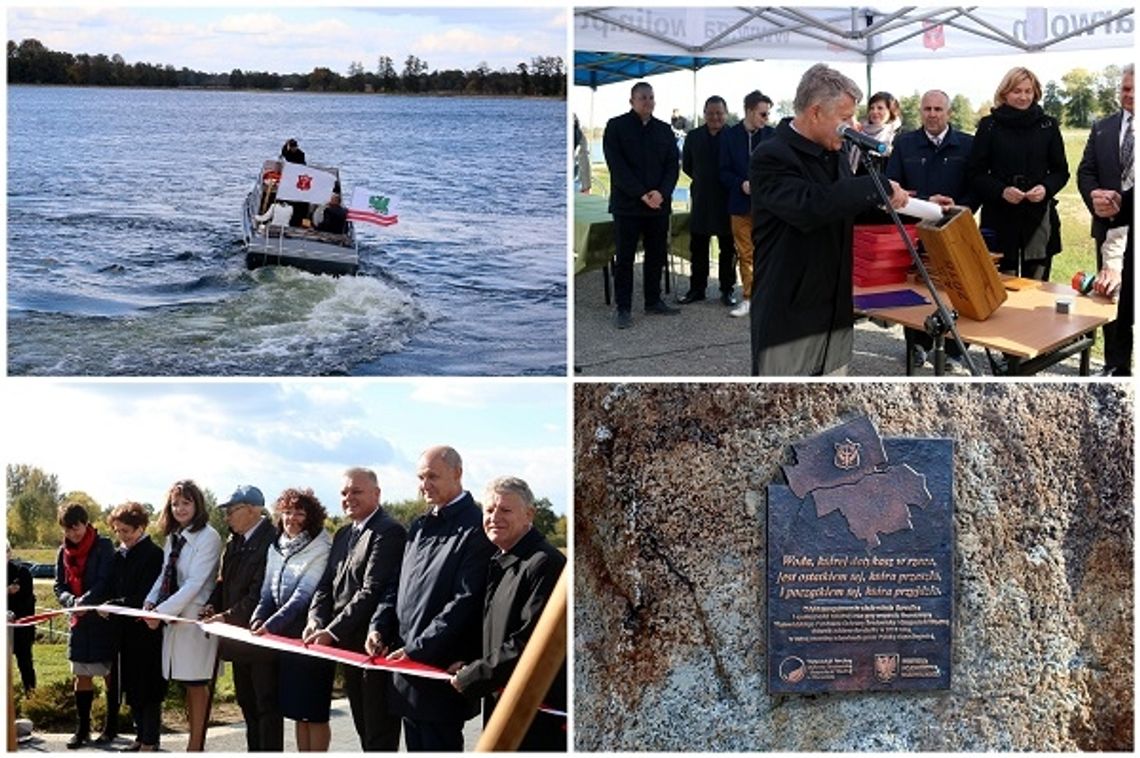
[669,602]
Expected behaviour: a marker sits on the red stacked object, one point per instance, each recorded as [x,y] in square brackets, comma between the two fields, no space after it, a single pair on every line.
[881,256]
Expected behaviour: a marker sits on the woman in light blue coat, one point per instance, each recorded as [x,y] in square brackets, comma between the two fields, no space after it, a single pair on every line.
[293,569]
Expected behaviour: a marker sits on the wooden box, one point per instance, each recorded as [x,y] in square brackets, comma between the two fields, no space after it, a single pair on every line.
[961,262]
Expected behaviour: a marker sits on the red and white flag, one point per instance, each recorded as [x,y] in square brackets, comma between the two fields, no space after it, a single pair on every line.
[372,207]
[305,183]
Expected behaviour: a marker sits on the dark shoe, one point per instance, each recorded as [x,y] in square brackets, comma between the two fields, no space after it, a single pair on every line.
[106,737]
[728,299]
[623,320]
[78,740]
[662,308]
[691,297]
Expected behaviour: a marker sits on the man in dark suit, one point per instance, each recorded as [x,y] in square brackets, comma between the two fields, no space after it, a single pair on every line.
[642,158]
[359,583]
[520,579]
[442,582]
[804,201]
[1105,172]
[700,160]
[930,164]
[235,595]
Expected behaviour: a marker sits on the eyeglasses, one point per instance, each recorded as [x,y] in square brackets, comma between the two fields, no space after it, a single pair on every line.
[762,114]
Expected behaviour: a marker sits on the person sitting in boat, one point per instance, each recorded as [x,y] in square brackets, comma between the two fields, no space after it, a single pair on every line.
[331,218]
[278,214]
[292,153]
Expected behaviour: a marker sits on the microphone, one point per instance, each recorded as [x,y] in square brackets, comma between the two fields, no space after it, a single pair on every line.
[859,139]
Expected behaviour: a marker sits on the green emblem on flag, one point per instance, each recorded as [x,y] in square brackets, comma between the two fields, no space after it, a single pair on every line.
[379,203]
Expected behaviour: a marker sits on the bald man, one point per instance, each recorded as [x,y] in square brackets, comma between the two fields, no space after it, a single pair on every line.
[439,604]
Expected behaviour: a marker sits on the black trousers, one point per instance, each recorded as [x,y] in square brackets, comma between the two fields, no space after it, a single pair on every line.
[22,640]
[255,685]
[433,736]
[654,230]
[699,260]
[148,721]
[368,698]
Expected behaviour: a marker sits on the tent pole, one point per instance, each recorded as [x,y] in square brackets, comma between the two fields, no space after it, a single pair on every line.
[869,90]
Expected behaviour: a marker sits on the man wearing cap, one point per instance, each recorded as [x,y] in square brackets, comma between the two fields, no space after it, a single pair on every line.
[359,584]
[440,604]
[235,595]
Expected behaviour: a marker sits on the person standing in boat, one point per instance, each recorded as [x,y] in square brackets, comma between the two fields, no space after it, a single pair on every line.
[292,153]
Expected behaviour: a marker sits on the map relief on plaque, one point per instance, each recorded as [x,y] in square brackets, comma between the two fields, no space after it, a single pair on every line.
[859,564]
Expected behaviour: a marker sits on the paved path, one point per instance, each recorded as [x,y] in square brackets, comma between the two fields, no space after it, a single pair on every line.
[231,738]
[704,341]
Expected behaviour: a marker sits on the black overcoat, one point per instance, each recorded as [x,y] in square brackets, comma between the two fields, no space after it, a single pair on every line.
[519,582]
[442,584]
[804,200]
[641,157]
[92,638]
[1018,149]
[700,160]
[140,647]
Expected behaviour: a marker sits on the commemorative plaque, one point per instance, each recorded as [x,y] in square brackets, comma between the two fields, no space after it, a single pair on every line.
[860,564]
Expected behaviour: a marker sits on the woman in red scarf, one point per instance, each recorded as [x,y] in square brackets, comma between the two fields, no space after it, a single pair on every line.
[83,577]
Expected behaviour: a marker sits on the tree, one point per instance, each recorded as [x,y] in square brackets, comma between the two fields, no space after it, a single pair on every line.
[405,511]
[237,79]
[33,497]
[386,72]
[962,114]
[1079,97]
[1052,103]
[1108,91]
[414,68]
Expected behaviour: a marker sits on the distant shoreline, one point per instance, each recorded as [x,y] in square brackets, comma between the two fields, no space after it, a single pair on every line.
[441,93]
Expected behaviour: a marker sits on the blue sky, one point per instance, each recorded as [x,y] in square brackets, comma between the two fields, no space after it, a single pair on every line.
[129,440]
[288,38]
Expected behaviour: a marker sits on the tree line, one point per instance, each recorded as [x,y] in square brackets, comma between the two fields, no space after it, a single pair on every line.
[31,62]
[34,498]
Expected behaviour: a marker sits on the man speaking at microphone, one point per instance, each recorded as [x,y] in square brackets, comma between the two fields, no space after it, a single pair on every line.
[804,201]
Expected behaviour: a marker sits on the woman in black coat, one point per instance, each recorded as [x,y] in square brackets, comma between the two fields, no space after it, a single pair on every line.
[138,562]
[1017,166]
[83,577]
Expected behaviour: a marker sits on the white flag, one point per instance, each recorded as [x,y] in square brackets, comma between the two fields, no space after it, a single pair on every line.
[305,183]
[372,207]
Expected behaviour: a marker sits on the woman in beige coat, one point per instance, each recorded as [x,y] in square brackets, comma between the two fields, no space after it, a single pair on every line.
[190,567]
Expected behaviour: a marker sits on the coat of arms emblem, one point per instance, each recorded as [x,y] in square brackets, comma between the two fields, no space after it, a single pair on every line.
[886,666]
[847,454]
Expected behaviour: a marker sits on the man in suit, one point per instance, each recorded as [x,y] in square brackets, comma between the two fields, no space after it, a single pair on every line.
[735,153]
[520,580]
[804,201]
[442,583]
[642,158]
[700,159]
[235,595]
[930,164]
[1107,171]
[359,582]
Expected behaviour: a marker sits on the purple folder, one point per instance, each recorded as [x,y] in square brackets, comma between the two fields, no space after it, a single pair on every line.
[892,299]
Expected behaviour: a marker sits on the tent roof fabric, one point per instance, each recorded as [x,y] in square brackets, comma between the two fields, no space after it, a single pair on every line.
[596,69]
[689,38]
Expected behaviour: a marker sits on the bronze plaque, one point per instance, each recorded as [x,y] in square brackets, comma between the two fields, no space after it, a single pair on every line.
[860,564]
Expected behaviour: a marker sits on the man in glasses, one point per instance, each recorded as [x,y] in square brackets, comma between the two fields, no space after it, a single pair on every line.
[735,151]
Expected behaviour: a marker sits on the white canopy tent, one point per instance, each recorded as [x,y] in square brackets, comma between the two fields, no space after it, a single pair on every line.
[846,34]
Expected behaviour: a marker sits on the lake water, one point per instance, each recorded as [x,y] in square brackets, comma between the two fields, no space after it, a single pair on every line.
[124,236]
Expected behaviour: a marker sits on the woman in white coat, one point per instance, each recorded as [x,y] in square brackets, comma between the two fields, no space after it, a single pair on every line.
[190,568]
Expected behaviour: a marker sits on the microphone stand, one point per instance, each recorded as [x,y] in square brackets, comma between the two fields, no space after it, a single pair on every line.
[943,320]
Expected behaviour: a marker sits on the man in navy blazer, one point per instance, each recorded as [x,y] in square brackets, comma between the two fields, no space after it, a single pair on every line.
[440,604]
[1100,179]
[359,584]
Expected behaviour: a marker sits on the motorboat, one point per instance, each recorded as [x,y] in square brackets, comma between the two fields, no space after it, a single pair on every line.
[292,239]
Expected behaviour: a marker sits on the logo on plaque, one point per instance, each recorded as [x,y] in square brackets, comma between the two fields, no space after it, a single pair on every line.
[847,454]
[859,564]
[886,666]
